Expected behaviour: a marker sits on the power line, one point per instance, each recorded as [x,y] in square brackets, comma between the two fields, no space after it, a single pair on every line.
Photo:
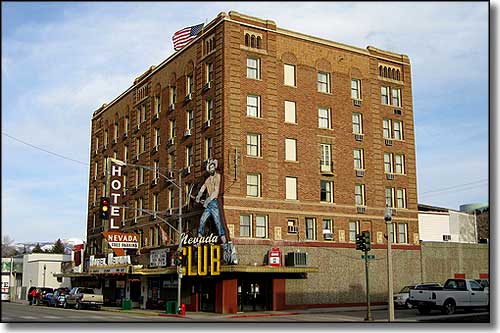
[455,186]
[44,150]
[456,190]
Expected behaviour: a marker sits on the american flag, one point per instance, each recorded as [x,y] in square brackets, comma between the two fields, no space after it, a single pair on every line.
[184,36]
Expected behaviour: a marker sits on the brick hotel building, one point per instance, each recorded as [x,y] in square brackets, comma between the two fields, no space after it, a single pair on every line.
[313,139]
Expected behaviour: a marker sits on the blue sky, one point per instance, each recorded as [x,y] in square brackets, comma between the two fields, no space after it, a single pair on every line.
[61,61]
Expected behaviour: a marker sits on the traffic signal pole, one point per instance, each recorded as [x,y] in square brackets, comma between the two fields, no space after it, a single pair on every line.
[368,309]
[179,249]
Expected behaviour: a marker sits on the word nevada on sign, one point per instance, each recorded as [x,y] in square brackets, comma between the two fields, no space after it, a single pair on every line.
[121,240]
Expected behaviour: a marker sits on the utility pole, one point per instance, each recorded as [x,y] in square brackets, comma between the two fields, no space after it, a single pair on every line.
[44,271]
[388,220]
[179,249]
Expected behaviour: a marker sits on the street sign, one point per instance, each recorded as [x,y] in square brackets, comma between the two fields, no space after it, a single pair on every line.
[369,256]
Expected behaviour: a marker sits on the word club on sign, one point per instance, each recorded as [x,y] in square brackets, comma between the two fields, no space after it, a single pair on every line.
[115,192]
[203,252]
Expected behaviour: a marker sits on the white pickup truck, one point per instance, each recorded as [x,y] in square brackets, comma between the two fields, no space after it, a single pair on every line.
[83,297]
[456,293]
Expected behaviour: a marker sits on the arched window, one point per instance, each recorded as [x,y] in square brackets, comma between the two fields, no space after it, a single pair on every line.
[247,40]
[252,41]
[385,71]
[380,71]
[393,76]
[259,42]
[397,74]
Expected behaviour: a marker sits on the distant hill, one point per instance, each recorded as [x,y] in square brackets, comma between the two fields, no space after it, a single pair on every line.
[29,246]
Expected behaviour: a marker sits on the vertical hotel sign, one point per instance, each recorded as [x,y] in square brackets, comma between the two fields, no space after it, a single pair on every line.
[115,193]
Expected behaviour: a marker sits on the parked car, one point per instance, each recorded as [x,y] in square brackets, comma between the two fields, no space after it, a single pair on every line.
[456,293]
[42,294]
[401,299]
[58,298]
[80,297]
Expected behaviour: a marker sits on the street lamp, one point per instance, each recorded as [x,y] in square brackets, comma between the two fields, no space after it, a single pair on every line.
[388,221]
[44,271]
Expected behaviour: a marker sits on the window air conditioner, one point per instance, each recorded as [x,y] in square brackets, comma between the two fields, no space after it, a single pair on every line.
[358,137]
[357,102]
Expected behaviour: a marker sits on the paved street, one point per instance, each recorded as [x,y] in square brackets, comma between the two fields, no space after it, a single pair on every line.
[17,312]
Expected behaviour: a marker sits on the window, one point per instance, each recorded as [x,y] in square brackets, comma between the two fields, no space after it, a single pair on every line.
[171,198]
[253,144]
[387,128]
[95,195]
[156,167]
[353,230]
[115,155]
[115,136]
[106,138]
[324,82]
[326,191]
[143,144]
[171,161]
[190,119]
[189,84]
[290,115]
[93,220]
[136,207]
[261,226]
[358,159]
[401,197]
[398,130]
[172,128]
[359,194]
[326,157]
[209,106]
[402,233]
[155,203]
[389,197]
[356,89]
[141,175]
[126,124]
[96,143]
[208,148]
[173,95]
[125,184]
[253,68]
[157,136]
[253,106]
[157,104]
[384,92]
[290,150]
[291,188]
[388,162]
[245,226]
[400,164]
[141,206]
[138,117]
[324,117]
[253,185]
[357,127]
[327,229]
[292,226]
[189,156]
[396,97]
[136,176]
[96,168]
[310,228]
[209,72]
[289,71]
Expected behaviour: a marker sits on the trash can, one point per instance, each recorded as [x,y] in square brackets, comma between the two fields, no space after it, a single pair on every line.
[126,304]
[171,307]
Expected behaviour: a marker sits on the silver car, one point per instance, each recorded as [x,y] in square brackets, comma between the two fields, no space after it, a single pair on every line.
[401,299]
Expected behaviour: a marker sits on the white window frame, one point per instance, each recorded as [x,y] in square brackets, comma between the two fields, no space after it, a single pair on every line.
[357,123]
[389,197]
[329,194]
[251,145]
[388,163]
[387,128]
[385,95]
[125,153]
[403,233]
[401,197]
[253,72]
[249,226]
[189,84]
[208,148]
[322,118]
[291,150]
[171,198]
[359,192]
[253,184]
[325,157]
[356,89]
[397,133]
[190,119]
[172,128]
[209,107]
[189,156]
[173,95]
[157,137]
[360,159]
[258,228]
[209,72]
[353,231]
[290,112]
[291,186]
[399,164]
[156,169]
[396,97]
[323,80]
[252,109]
[328,223]
[157,104]
[289,75]
[127,124]
[309,229]
[115,132]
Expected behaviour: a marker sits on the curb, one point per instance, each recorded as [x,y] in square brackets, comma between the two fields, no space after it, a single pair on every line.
[264,315]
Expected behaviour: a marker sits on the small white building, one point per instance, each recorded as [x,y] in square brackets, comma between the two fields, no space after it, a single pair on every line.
[39,270]
[438,224]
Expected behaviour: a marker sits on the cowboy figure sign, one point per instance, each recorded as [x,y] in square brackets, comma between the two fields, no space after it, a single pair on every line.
[211,204]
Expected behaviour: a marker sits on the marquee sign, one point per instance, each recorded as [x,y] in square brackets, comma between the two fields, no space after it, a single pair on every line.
[115,192]
[118,241]
[109,265]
